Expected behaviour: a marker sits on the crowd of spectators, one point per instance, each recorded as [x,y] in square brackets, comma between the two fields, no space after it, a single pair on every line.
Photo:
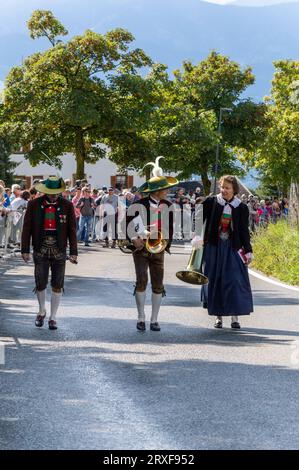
[97,210]
[265,211]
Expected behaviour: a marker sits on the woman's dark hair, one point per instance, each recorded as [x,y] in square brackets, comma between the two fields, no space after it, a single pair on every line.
[232,180]
[32,191]
[25,195]
[180,189]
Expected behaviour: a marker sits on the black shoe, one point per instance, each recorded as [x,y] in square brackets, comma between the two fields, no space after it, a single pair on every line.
[141,326]
[86,244]
[236,325]
[52,325]
[155,326]
[39,321]
[205,305]
[218,324]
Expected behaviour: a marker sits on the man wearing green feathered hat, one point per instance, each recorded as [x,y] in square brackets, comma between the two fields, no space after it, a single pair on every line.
[150,229]
[50,224]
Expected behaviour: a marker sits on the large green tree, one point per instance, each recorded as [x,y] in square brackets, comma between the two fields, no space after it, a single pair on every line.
[182,119]
[7,166]
[216,82]
[277,157]
[150,136]
[75,94]
[140,141]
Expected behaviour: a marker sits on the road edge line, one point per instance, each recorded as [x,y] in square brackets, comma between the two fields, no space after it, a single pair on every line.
[272,281]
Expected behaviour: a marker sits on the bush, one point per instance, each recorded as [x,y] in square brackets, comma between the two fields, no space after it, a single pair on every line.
[276,252]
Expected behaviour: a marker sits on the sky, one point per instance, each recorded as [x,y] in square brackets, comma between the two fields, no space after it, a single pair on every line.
[39,3]
[16,43]
[219,2]
[256,2]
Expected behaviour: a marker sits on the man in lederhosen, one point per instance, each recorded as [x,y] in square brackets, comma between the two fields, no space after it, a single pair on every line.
[50,222]
[151,215]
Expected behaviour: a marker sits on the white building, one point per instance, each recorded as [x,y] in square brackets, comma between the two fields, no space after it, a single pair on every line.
[102,173]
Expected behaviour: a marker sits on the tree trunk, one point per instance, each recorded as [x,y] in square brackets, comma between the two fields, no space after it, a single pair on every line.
[206,183]
[80,153]
[294,203]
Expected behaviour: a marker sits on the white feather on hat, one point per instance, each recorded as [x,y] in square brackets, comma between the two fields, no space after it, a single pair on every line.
[49,162]
[157,170]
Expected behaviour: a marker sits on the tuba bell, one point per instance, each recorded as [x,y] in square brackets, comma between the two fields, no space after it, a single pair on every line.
[152,245]
[156,245]
[193,273]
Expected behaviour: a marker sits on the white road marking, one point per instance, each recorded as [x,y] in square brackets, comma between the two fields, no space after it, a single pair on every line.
[272,281]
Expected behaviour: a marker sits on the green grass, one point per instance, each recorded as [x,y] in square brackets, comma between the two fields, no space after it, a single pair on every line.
[276,252]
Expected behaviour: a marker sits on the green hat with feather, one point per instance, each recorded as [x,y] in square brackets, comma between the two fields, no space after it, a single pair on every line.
[158,181]
[51,185]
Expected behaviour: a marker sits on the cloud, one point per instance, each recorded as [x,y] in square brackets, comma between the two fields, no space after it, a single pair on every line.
[219,2]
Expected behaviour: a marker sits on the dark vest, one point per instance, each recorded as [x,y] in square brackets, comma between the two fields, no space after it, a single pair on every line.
[240,224]
[33,227]
[145,202]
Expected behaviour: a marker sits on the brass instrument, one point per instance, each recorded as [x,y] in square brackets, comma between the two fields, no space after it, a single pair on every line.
[156,245]
[152,245]
[193,273]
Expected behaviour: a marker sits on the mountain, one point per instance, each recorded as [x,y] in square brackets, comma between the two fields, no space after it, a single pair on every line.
[170,31]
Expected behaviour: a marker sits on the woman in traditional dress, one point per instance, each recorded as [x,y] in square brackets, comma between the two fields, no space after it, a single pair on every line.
[227,254]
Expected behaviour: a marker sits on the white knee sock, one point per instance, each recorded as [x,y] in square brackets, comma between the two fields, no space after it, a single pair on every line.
[140,302]
[156,303]
[234,318]
[41,297]
[55,301]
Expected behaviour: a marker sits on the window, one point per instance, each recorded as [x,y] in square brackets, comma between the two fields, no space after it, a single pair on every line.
[37,178]
[121,181]
[21,180]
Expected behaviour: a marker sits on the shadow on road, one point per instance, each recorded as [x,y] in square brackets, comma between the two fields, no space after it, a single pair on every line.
[100,330]
[72,397]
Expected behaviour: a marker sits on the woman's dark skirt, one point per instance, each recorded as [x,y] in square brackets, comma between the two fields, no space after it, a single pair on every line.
[228,291]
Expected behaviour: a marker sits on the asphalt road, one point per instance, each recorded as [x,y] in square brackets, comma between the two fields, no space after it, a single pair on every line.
[97,383]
